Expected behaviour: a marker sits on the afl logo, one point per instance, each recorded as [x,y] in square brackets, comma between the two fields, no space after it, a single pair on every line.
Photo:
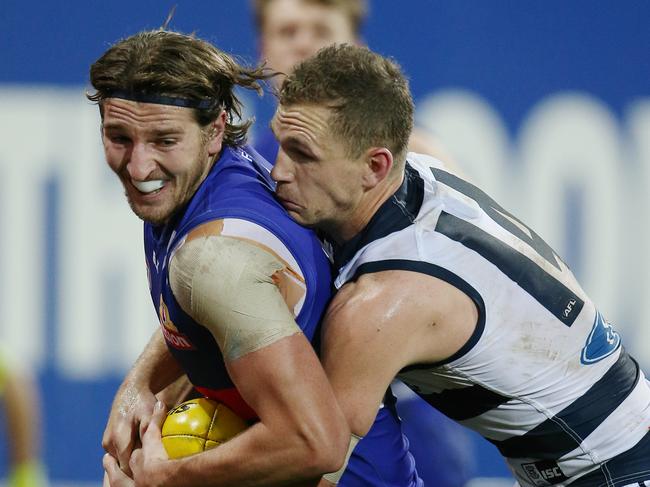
[172,336]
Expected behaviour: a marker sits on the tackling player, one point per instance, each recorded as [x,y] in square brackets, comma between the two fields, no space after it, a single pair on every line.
[440,286]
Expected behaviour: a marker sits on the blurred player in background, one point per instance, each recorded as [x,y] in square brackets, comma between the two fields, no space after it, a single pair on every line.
[22,414]
[440,286]
[238,286]
[290,31]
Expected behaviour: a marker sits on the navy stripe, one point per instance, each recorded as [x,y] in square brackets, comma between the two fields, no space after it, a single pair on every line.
[465,403]
[398,212]
[499,214]
[559,300]
[565,431]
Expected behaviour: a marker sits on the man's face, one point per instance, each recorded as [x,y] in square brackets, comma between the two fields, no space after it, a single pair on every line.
[317,182]
[159,152]
[293,30]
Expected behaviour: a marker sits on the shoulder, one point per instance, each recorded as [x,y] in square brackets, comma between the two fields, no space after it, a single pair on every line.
[221,258]
[228,244]
[247,231]
[434,316]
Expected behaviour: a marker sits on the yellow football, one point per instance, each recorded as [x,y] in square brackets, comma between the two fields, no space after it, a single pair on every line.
[198,425]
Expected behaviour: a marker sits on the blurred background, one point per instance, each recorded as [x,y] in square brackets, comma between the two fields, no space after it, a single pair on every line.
[546,105]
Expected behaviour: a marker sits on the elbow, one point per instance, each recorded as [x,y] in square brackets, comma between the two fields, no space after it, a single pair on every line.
[325,449]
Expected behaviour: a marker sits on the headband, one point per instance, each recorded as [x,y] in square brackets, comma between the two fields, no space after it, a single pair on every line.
[175,101]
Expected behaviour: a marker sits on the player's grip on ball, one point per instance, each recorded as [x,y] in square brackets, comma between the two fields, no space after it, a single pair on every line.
[198,425]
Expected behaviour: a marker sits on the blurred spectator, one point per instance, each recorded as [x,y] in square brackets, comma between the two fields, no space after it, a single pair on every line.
[22,413]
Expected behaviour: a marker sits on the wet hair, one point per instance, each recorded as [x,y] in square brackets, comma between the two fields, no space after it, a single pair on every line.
[369,96]
[177,69]
[355,10]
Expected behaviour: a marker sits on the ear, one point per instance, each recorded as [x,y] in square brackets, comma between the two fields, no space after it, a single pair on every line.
[379,161]
[217,130]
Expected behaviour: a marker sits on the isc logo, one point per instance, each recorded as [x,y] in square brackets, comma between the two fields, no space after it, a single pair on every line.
[546,472]
[551,473]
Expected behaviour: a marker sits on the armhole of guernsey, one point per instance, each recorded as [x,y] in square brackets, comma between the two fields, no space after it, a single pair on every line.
[290,279]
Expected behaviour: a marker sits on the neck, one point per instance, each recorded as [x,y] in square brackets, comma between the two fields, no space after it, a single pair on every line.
[366,209]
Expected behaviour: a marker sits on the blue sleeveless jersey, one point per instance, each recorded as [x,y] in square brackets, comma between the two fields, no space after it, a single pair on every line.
[239,186]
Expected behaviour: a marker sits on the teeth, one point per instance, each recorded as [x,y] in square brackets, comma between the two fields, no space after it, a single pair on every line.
[148,186]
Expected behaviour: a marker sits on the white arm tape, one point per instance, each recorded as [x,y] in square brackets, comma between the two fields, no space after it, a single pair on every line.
[227,285]
[334,477]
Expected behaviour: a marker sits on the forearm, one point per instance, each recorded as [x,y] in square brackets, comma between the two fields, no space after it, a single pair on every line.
[302,433]
[155,367]
[259,457]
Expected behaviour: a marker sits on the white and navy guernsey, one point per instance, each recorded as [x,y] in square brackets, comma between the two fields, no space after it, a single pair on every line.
[543,377]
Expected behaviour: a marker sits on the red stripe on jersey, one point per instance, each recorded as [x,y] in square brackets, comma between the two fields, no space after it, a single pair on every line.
[232,399]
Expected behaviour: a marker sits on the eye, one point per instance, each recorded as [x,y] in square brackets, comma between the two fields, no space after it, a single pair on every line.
[287,31]
[119,139]
[299,155]
[167,142]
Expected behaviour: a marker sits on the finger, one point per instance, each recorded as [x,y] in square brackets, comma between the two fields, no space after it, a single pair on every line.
[119,441]
[116,478]
[145,419]
[154,427]
[124,444]
[105,481]
[135,460]
[152,439]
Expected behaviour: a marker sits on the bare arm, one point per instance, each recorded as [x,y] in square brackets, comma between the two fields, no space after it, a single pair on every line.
[382,323]
[154,370]
[297,438]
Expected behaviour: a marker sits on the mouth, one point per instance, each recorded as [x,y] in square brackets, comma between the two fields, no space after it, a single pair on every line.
[288,204]
[150,187]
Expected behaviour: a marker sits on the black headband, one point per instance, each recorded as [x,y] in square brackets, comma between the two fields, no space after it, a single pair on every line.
[175,101]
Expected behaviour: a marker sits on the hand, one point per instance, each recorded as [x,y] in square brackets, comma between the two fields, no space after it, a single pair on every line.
[113,475]
[146,461]
[129,416]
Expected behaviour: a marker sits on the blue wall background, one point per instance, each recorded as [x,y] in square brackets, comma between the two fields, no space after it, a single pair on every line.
[512,53]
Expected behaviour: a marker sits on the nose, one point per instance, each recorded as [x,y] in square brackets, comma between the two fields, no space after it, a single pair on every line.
[281,172]
[141,162]
[305,44]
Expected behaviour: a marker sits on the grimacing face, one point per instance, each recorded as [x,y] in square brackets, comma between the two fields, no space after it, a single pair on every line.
[317,183]
[293,30]
[159,152]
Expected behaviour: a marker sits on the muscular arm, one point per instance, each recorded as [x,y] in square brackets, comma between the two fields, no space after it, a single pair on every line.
[228,285]
[155,367]
[154,370]
[383,322]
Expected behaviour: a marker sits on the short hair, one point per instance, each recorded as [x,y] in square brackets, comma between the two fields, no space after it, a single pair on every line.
[355,10]
[166,63]
[369,96]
